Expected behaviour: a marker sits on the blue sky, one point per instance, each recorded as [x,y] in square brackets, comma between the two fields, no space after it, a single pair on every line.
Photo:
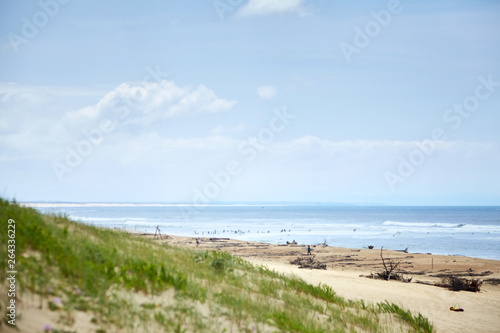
[377,102]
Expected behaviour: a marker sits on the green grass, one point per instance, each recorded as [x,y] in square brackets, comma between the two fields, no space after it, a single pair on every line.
[126,283]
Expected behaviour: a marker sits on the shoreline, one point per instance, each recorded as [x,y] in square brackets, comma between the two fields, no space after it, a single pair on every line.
[220,236]
[467,231]
[346,271]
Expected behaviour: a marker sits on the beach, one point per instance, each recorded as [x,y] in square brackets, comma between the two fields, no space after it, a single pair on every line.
[346,271]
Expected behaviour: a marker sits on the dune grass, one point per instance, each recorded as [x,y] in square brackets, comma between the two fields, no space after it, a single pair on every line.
[127,284]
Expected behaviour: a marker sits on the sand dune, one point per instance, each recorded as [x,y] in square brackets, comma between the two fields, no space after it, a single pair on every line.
[346,273]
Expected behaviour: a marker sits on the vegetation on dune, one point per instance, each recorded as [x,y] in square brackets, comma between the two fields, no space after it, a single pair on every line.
[124,283]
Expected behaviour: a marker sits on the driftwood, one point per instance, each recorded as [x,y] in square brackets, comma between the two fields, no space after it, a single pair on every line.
[462,274]
[389,272]
[426,283]
[308,262]
[158,233]
[494,282]
[405,250]
[457,284]
[386,275]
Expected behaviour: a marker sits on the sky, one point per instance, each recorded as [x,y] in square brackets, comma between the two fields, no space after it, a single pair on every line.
[365,102]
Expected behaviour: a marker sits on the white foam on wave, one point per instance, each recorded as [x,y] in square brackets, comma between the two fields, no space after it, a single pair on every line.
[105,219]
[137,222]
[447,228]
[424,224]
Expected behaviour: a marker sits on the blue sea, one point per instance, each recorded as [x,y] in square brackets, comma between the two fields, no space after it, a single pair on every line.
[467,231]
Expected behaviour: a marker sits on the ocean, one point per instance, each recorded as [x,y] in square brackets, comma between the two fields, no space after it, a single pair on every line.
[467,231]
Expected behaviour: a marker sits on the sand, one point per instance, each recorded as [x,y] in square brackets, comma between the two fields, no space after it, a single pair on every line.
[345,273]
[347,268]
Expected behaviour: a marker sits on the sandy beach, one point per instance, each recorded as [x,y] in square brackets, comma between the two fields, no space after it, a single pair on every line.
[346,271]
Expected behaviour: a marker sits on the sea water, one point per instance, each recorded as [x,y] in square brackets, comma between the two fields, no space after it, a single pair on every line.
[468,231]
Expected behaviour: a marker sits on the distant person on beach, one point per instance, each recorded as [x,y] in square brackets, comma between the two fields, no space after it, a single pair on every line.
[197,242]
[308,249]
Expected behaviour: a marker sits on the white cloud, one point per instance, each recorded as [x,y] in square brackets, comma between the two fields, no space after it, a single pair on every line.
[31,121]
[147,103]
[266,7]
[38,122]
[153,148]
[308,156]
[200,100]
[267,92]
[384,152]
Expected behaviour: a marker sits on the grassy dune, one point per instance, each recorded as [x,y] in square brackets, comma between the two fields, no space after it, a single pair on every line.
[123,283]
